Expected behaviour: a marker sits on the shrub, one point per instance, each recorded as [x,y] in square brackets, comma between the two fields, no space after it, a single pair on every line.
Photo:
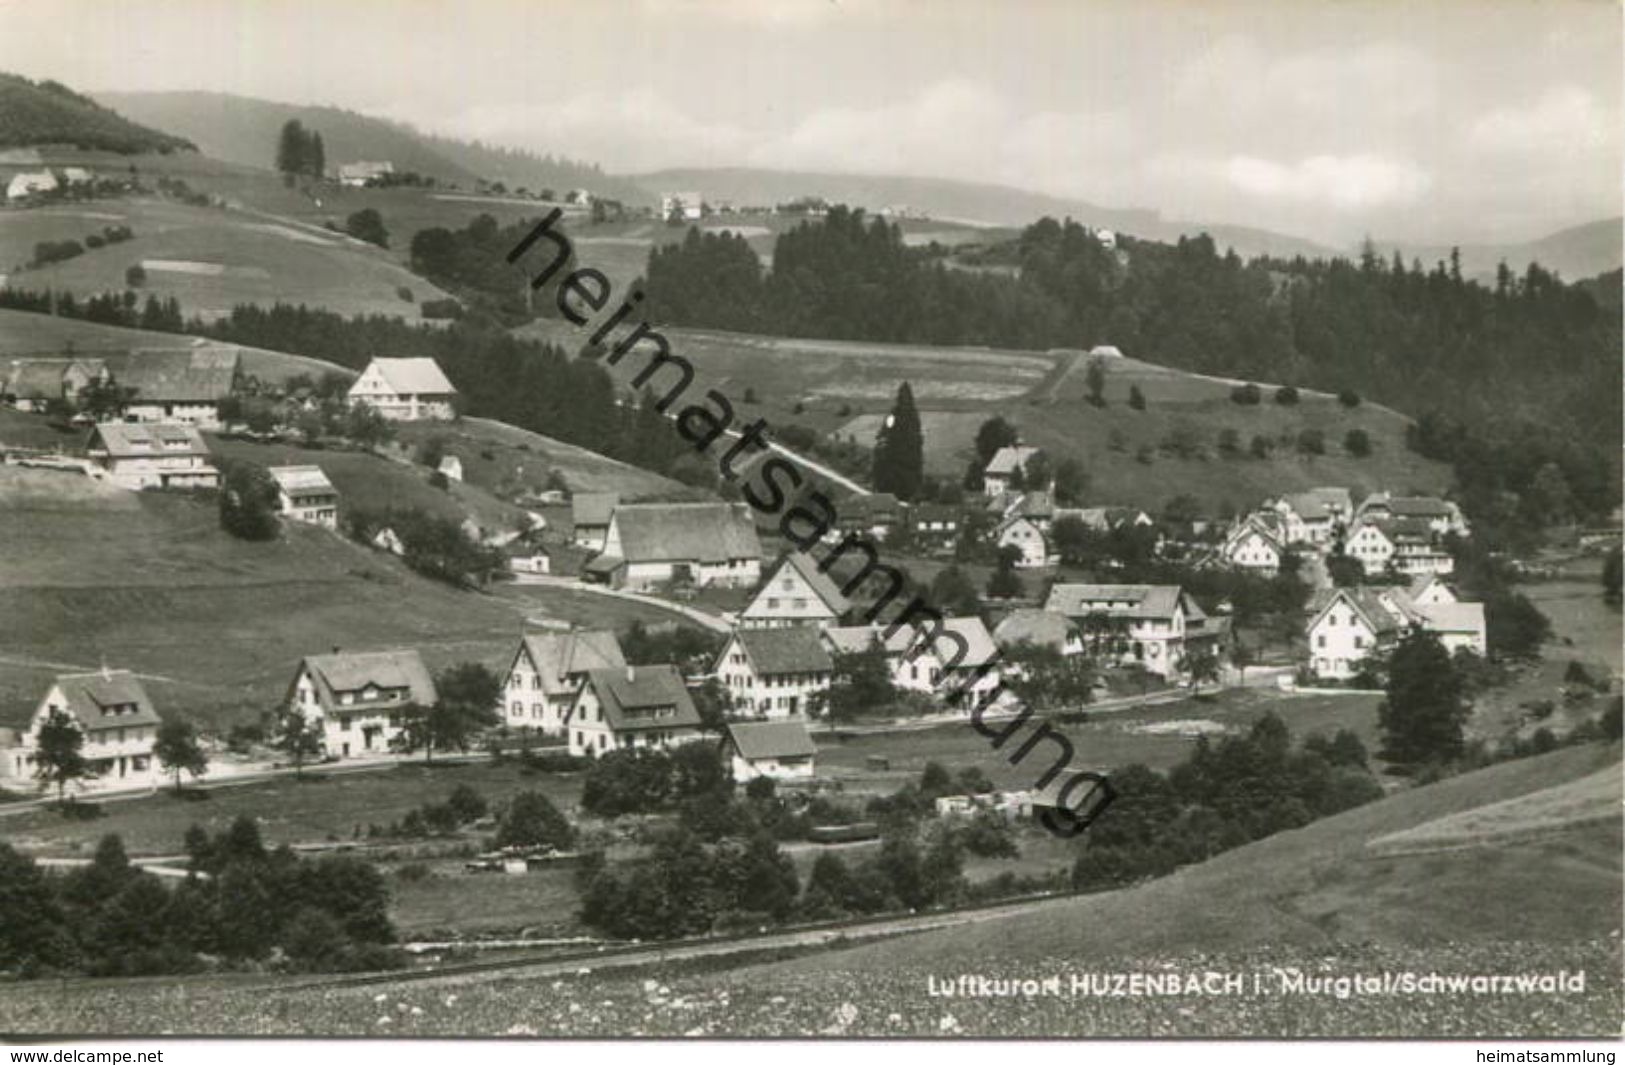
[135,275]
[1286,396]
[1349,398]
[1357,442]
[1247,395]
[446,308]
[405,293]
[1312,442]
[531,820]
[95,240]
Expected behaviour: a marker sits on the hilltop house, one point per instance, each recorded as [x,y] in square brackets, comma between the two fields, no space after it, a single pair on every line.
[1255,545]
[783,750]
[688,205]
[405,390]
[796,592]
[1155,626]
[357,175]
[1000,474]
[185,386]
[305,494]
[547,672]
[30,183]
[120,726]
[702,544]
[589,515]
[632,706]
[152,456]
[359,699]
[1348,625]
[774,673]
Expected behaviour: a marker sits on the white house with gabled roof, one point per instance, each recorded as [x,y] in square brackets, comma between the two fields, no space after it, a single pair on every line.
[796,592]
[112,710]
[361,700]
[305,494]
[774,673]
[405,390]
[547,671]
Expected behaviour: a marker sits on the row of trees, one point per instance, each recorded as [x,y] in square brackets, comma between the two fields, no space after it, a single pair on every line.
[300,152]
[242,903]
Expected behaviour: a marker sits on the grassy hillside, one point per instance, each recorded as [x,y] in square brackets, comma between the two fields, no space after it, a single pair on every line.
[1331,883]
[844,389]
[244,130]
[47,112]
[212,258]
[24,333]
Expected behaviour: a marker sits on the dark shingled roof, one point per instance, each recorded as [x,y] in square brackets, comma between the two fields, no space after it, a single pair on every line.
[203,375]
[88,695]
[352,671]
[681,532]
[558,655]
[771,739]
[625,693]
[795,649]
[592,508]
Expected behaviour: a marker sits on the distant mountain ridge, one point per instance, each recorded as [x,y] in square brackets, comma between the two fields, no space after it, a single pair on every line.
[243,130]
[1576,253]
[37,114]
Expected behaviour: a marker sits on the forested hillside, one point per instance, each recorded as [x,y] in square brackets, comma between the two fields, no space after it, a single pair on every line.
[1517,382]
[48,112]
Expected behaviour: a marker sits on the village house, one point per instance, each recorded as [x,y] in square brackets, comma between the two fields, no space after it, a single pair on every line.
[527,555]
[30,385]
[77,175]
[1105,519]
[30,183]
[1314,517]
[774,673]
[451,468]
[632,706]
[546,674]
[185,386]
[1348,625]
[1369,544]
[702,544]
[305,494]
[113,712]
[1027,537]
[405,390]
[360,699]
[1001,474]
[357,175]
[1154,626]
[934,527]
[1441,516]
[1255,545]
[796,592]
[782,750]
[874,515]
[152,456]
[688,206]
[1038,628]
[589,516]
[928,666]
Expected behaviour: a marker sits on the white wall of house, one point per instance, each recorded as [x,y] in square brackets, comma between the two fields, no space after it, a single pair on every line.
[589,733]
[796,768]
[205,415]
[159,471]
[1370,546]
[1339,642]
[526,705]
[312,508]
[1025,536]
[772,695]
[1253,551]
[353,729]
[786,599]
[121,756]
[374,390]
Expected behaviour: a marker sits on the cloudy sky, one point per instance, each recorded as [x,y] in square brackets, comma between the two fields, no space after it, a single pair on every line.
[1441,121]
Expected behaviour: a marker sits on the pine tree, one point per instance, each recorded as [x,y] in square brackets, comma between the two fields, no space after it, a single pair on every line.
[899,456]
[316,156]
[291,148]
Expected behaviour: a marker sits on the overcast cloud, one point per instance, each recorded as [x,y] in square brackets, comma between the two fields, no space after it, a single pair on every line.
[1424,122]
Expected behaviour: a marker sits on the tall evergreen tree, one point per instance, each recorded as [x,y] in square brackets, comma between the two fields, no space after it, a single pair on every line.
[290,148]
[899,456]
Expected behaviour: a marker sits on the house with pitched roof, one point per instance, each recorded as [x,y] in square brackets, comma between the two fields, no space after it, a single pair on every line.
[30,183]
[589,516]
[875,515]
[999,476]
[1314,517]
[934,527]
[152,456]
[1369,544]
[774,673]
[405,390]
[703,544]
[796,592]
[547,671]
[30,384]
[185,386]
[1040,628]
[526,555]
[1027,537]
[360,699]
[1441,516]
[358,174]
[1348,625]
[305,494]
[113,711]
[632,706]
[1255,545]
[1154,626]
[957,663]
[783,750]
